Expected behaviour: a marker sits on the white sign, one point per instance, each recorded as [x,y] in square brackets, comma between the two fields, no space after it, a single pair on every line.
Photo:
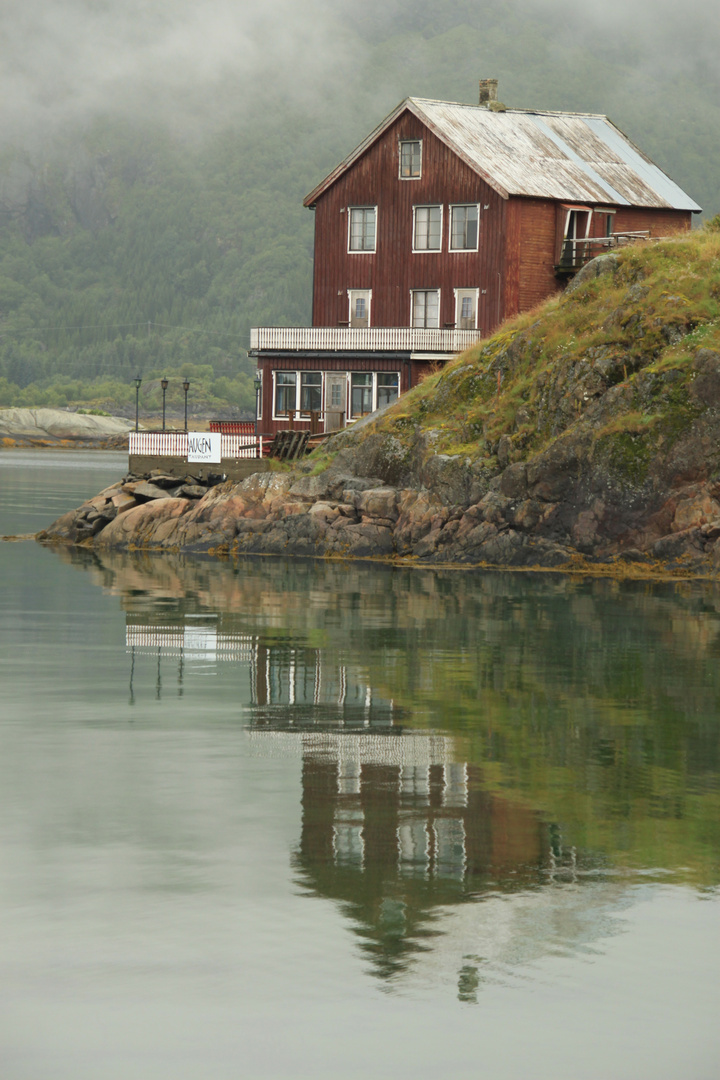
[205,446]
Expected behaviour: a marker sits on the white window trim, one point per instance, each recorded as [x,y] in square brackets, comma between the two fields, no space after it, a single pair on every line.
[276,372]
[476,292]
[427,251]
[400,175]
[298,390]
[454,206]
[368,293]
[412,307]
[374,388]
[363,251]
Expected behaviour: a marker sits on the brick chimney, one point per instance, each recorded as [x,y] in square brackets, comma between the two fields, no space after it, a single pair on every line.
[488,91]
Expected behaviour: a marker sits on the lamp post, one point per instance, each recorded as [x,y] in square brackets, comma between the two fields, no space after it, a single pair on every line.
[186,387]
[164,384]
[138,380]
[258,388]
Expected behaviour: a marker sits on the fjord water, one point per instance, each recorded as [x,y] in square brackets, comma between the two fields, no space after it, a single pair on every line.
[285,819]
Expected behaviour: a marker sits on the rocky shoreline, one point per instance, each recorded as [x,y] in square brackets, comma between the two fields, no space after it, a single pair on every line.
[584,437]
[529,517]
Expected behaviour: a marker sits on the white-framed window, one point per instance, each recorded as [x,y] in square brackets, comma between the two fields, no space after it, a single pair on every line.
[370,390]
[359,300]
[285,392]
[427,228]
[388,387]
[311,391]
[464,227]
[259,395]
[410,159]
[425,308]
[305,392]
[362,228]
[361,393]
[466,309]
[577,230]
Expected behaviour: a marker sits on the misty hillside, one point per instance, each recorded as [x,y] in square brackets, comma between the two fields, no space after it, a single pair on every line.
[151,184]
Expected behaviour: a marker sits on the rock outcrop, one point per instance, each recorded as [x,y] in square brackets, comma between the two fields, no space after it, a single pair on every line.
[50,427]
[587,434]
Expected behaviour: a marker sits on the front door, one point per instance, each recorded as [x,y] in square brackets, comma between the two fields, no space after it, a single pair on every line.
[335,400]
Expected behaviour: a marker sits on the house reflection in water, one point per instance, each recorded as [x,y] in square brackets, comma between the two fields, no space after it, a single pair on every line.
[395,828]
[396,824]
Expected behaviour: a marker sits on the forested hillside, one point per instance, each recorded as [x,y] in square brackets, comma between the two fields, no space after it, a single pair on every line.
[137,242]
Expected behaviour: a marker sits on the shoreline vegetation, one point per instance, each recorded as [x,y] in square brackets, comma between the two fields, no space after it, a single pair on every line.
[583,437]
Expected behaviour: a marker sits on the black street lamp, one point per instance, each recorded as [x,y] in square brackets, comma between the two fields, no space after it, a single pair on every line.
[258,388]
[138,380]
[164,384]
[186,387]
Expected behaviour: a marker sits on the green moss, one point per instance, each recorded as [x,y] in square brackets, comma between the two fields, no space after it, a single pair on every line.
[647,319]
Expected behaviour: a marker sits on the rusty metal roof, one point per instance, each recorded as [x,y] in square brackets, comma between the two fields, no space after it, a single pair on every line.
[570,157]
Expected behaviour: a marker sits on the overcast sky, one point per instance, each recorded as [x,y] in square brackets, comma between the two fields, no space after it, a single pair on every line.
[68,60]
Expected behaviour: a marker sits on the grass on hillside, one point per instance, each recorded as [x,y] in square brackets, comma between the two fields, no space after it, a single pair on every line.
[537,374]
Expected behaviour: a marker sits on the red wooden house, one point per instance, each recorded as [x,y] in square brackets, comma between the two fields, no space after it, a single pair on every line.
[446,220]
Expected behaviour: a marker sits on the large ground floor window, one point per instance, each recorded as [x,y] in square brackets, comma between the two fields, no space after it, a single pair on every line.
[285,391]
[310,391]
[355,393]
[361,393]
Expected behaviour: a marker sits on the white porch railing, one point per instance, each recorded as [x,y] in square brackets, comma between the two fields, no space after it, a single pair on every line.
[175,444]
[362,339]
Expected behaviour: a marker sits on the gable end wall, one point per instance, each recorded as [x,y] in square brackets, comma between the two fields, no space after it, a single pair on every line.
[394,270]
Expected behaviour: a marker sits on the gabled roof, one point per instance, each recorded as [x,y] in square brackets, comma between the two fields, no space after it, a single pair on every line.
[570,157]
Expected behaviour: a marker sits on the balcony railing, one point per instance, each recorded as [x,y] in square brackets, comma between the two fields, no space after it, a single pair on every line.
[361,339]
[575,253]
[175,444]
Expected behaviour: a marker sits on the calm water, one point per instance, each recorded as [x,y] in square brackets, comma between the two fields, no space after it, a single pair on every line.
[284,819]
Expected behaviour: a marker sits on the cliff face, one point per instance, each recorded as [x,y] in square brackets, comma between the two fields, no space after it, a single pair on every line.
[587,431]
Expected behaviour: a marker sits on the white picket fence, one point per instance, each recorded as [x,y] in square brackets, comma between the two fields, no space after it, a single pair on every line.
[175,444]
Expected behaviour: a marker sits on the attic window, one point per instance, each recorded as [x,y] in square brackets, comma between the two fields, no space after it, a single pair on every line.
[410,160]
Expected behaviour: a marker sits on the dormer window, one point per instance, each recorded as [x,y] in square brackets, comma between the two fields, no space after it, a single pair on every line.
[410,159]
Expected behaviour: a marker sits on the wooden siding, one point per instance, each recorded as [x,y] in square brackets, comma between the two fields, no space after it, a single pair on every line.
[394,270]
[658,222]
[536,255]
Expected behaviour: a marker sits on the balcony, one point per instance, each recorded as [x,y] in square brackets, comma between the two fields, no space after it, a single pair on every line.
[576,253]
[394,339]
